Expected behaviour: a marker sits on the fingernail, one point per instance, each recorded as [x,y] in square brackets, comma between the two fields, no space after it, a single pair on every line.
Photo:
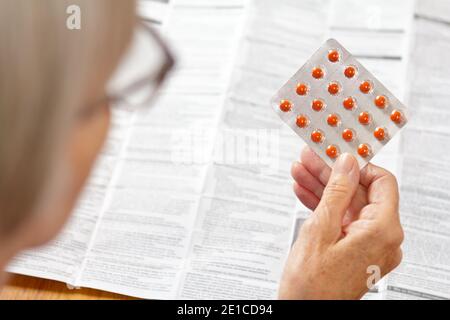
[344,164]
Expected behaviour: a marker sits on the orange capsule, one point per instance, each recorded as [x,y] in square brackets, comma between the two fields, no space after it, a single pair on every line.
[364,150]
[380,133]
[334,88]
[350,72]
[317,136]
[365,86]
[333,120]
[317,73]
[348,135]
[302,89]
[364,118]
[302,121]
[332,151]
[380,102]
[317,105]
[397,116]
[285,105]
[333,56]
[349,103]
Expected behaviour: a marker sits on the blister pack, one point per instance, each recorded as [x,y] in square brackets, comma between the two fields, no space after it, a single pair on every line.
[336,106]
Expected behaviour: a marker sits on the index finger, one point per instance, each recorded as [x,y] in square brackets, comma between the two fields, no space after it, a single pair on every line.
[382,188]
[315,165]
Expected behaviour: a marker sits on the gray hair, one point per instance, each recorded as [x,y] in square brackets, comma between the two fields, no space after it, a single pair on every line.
[44,69]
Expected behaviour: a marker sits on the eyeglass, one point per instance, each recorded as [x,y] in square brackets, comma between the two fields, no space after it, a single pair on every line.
[141,71]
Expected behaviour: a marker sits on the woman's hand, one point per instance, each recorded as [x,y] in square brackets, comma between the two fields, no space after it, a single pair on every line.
[354,230]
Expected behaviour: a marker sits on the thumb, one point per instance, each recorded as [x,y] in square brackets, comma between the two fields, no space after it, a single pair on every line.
[337,196]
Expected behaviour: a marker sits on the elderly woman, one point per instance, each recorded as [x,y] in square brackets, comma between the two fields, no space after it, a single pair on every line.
[55,96]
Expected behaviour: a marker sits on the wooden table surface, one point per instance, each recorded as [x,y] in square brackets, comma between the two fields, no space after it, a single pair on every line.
[21,287]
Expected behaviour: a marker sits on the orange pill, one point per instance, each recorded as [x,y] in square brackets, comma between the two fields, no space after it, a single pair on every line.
[302,121]
[365,87]
[397,116]
[317,73]
[333,120]
[302,89]
[332,151]
[350,72]
[317,136]
[380,133]
[285,105]
[348,135]
[333,56]
[317,105]
[333,88]
[364,150]
[349,103]
[380,102]
[364,118]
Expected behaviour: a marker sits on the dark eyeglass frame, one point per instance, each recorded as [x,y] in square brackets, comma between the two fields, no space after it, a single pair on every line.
[156,79]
